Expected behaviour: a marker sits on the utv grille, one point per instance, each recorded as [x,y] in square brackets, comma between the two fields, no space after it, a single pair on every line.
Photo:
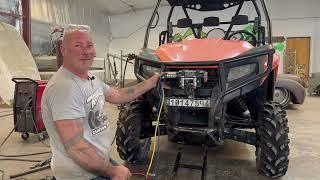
[212,81]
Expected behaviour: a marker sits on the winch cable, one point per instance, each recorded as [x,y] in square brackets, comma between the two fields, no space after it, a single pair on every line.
[155,132]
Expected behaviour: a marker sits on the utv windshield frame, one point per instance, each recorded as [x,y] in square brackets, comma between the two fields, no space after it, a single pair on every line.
[210,5]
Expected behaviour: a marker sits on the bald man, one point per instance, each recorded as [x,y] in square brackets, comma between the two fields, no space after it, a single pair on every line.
[72,109]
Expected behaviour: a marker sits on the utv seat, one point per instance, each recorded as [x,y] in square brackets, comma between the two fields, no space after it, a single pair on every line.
[211,21]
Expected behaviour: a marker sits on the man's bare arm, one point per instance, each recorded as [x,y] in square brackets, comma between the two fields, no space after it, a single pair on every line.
[124,95]
[80,150]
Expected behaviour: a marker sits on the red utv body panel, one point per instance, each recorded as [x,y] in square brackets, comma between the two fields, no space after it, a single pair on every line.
[210,49]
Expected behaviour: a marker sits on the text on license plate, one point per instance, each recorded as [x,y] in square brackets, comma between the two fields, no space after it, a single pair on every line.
[188,102]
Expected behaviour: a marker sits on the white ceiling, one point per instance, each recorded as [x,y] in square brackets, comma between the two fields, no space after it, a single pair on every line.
[113,7]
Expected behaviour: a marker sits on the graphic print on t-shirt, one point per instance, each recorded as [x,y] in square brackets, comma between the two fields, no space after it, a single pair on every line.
[97,120]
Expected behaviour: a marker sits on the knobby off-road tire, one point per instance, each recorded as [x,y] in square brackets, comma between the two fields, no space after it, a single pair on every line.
[130,147]
[272,148]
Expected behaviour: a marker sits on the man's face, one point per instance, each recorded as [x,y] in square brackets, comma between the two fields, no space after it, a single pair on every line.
[78,51]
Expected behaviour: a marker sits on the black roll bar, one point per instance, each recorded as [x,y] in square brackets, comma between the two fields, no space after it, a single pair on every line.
[269,40]
[268,21]
[230,27]
[146,37]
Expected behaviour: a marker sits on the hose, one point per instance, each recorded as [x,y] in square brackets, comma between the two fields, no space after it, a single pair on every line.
[14,159]
[40,139]
[5,115]
[10,157]
[141,174]
[155,134]
[158,147]
[115,163]
[2,174]
[22,155]
[130,57]
[23,110]
[29,172]
[124,72]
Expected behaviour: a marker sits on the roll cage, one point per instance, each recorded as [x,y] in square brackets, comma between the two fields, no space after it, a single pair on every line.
[211,5]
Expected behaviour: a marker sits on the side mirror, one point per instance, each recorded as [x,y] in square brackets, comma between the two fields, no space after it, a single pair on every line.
[162,37]
[211,21]
[184,23]
[240,20]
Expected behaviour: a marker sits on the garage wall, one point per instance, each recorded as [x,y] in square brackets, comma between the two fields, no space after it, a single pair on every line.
[294,18]
[10,6]
[316,43]
[47,14]
[290,18]
[127,34]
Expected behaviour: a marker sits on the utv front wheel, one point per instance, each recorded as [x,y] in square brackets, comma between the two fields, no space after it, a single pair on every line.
[272,148]
[130,147]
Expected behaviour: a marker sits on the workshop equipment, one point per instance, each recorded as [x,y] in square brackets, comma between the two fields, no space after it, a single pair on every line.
[16,60]
[27,107]
[178,165]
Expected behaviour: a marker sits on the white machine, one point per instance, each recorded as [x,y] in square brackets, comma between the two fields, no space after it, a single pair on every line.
[16,61]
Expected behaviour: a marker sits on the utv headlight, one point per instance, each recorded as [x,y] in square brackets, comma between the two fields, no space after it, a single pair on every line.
[241,71]
[150,69]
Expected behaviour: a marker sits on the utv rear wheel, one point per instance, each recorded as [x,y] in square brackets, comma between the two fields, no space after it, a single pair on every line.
[282,96]
[272,148]
[130,147]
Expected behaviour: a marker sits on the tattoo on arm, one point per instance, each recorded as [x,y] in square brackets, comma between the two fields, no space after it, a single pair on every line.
[130,91]
[79,149]
[74,140]
[86,156]
[137,88]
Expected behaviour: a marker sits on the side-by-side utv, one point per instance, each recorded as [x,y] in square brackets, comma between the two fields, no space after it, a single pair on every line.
[215,88]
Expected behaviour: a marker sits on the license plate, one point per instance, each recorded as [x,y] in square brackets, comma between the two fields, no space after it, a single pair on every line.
[188,102]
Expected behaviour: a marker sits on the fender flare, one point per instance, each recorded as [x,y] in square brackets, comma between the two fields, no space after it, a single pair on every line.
[293,77]
[296,89]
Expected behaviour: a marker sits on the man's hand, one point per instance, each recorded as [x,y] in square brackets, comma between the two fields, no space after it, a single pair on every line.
[120,173]
[125,95]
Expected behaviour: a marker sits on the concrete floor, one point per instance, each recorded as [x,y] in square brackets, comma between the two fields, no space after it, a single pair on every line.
[233,161]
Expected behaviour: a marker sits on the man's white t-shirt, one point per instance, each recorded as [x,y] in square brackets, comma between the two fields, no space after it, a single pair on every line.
[67,96]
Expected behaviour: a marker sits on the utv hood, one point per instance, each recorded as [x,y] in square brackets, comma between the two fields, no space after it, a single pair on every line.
[210,49]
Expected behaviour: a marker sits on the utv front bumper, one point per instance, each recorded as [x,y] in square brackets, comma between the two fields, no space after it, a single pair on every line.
[219,90]
[229,87]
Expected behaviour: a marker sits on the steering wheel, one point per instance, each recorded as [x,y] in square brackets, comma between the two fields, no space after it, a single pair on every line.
[215,32]
[253,37]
